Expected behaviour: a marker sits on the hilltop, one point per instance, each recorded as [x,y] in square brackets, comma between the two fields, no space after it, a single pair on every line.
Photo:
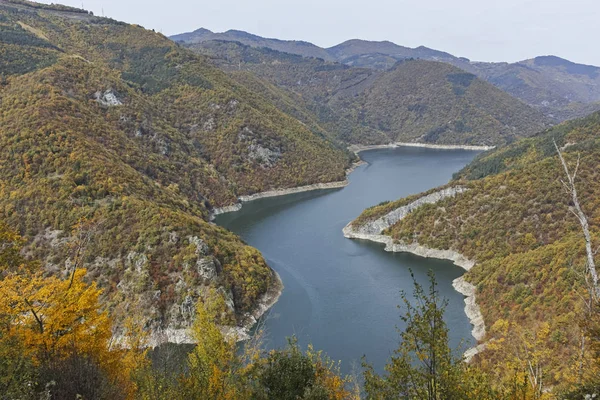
[557,87]
[115,137]
[415,101]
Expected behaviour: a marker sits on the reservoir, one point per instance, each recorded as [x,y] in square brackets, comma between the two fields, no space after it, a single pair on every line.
[342,295]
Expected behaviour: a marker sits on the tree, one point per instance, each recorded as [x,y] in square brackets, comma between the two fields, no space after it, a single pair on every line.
[62,332]
[571,190]
[213,362]
[424,366]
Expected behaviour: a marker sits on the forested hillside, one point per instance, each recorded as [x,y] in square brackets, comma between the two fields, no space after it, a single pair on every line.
[515,222]
[559,88]
[415,101]
[117,143]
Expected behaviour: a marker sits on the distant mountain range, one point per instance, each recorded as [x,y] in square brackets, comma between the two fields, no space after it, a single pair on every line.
[413,101]
[557,87]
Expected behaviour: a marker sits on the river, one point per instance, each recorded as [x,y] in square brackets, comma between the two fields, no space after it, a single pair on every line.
[341,295]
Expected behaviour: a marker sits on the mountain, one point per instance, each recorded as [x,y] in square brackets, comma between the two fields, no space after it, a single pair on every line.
[513,219]
[559,88]
[120,143]
[415,101]
[383,55]
[302,48]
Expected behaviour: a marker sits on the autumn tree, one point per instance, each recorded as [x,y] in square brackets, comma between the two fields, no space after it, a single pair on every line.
[424,366]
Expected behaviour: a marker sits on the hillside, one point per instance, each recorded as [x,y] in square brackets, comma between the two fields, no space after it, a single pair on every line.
[118,142]
[431,102]
[514,222]
[419,101]
[557,87]
[299,47]
[383,55]
[560,88]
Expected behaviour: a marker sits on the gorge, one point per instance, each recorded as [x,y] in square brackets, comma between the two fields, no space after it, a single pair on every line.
[341,295]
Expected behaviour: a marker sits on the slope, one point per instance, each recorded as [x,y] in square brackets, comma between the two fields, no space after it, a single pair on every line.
[514,222]
[557,87]
[112,132]
[414,101]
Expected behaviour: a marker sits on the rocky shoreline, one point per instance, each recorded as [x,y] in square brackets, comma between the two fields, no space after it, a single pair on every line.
[241,333]
[358,148]
[282,192]
[372,231]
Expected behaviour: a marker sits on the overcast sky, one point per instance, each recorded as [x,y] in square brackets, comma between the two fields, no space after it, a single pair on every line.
[482,30]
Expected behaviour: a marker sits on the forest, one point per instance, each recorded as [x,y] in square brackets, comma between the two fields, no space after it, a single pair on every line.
[517,222]
[118,145]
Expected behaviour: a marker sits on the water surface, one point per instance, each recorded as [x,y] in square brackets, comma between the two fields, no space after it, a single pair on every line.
[341,295]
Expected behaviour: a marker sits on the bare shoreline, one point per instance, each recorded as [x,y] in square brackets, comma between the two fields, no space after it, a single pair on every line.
[358,148]
[282,192]
[460,284]
[372,231]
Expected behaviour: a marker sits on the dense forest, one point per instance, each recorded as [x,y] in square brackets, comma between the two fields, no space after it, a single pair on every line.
[516,221]
[117,144]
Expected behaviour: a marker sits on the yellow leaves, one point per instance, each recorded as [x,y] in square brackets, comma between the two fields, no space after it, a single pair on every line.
[212,361]
[54,319]
[52,316]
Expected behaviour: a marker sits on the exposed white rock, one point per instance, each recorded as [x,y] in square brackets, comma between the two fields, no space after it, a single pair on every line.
[281,192]
[358,148]
[201,246]
[108,98]
[372,231]
[137,261]
[471,308]
[380,224]
[208,268]
[209,125]
[264,156]
[226,209]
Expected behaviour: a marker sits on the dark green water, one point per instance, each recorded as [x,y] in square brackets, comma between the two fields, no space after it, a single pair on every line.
[341,295]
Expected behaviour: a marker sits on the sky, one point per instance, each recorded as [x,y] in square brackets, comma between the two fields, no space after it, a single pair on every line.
[481,30]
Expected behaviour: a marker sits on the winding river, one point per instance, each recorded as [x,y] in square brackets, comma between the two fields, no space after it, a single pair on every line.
[342,295]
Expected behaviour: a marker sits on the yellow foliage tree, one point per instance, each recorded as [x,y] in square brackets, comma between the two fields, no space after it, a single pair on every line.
[56,319]
[213,362]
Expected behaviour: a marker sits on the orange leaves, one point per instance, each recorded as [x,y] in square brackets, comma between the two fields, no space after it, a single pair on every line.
[53,319]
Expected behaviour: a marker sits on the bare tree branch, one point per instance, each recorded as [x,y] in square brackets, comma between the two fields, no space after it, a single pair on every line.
[578,212]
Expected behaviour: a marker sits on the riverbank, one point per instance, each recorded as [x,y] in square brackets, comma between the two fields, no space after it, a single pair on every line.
[282,192]
[372,231]
[265,303]
[241,333]
[358,148]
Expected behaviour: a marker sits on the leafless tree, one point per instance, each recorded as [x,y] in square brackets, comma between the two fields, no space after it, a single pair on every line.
[591,276]
[571,190]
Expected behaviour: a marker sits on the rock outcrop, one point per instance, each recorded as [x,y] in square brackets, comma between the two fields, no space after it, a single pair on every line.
[381,224]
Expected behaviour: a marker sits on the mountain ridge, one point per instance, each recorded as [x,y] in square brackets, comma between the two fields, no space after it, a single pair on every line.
[549,83]
[431,102]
